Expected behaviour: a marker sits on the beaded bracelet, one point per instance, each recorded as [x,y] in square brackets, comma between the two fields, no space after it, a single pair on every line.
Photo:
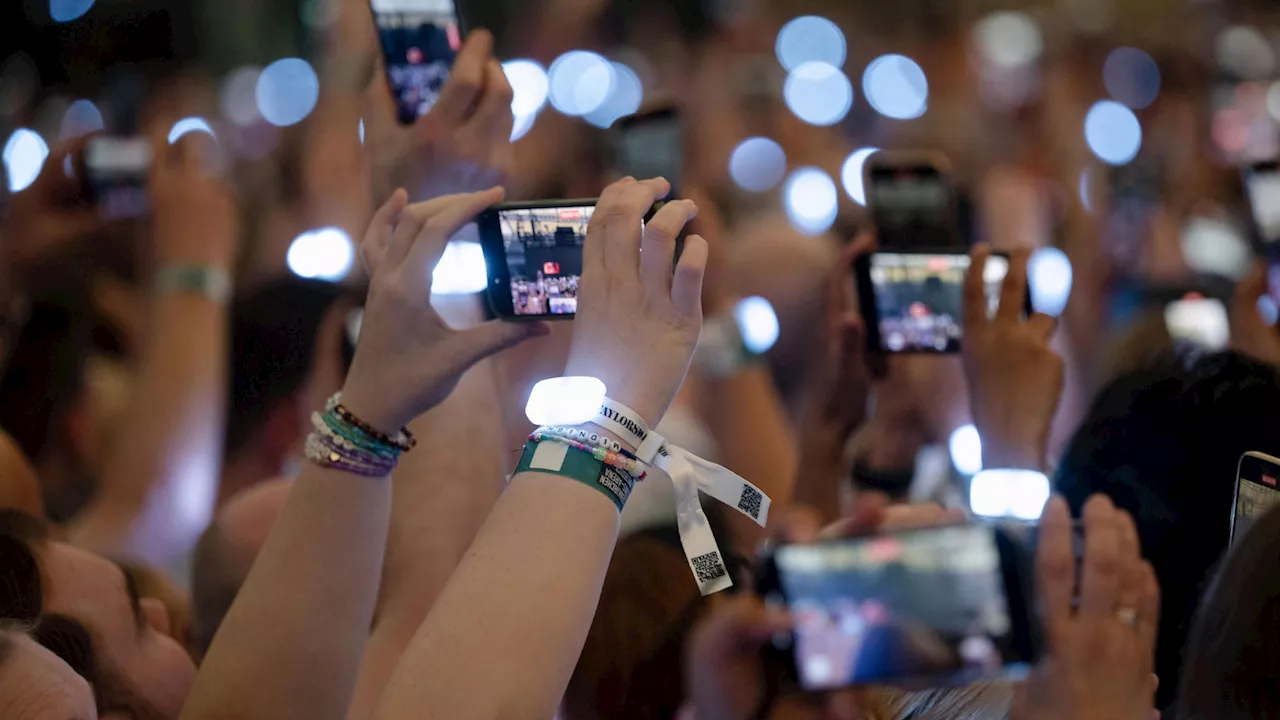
[631,466]
[588,438]
[342,441]
[404,440]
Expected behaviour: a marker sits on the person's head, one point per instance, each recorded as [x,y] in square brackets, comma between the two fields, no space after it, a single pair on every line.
[44,405]
[87,611]
[35,684]
[226,553]
[1164,442]
[1232,661]
[289,352]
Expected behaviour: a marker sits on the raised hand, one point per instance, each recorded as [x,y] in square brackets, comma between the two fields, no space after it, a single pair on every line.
[1101,653]
[48,216]
[408,359]
[1250,334]
[195,218]
[1015,378]
[638,322]
[464,143]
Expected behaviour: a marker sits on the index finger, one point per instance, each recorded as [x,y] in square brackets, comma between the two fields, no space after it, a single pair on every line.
[1100,576]
[975,296]
[623,218]
[447,218]
[1055,567]
[1013,291]
[466,80]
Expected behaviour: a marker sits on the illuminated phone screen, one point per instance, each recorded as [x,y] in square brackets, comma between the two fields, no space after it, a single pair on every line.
[420,39]
[543,248]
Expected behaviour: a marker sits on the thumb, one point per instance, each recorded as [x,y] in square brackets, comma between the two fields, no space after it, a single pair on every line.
[496,335]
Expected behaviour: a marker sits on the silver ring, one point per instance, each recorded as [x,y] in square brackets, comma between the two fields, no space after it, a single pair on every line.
[1127,616]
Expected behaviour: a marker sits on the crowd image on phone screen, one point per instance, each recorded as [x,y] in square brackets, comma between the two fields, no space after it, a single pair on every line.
[927,604]
[919,298]
[420,39]
[544,257]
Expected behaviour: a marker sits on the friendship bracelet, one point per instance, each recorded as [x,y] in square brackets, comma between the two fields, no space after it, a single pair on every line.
[589,438]
[346,435]
[631,466]
[580,465]
[326,457]
[404,440]
[338,444]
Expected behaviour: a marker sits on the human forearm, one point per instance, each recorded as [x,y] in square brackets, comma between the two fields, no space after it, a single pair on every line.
[754,440]
[517,608]
[817,479]
[444,490]
[291,645]
[160,480]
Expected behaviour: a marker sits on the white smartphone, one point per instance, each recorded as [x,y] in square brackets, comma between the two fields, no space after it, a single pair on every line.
[1257,489]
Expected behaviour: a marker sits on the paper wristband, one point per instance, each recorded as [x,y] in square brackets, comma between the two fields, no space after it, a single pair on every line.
[575,464]
[689,474]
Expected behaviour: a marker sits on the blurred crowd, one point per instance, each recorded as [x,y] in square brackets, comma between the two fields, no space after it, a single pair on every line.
[261,436]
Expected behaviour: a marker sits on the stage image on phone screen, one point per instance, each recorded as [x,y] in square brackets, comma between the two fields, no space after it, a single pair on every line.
[544,257]
[911,605]
[117,170]
[420,39]
[919,298]
[1253,499]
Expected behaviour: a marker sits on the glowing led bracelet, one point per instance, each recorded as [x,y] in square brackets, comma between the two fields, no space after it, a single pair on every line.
[1009,493]
[564,401]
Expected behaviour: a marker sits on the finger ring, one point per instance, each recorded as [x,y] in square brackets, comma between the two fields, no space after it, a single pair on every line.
[1128,616]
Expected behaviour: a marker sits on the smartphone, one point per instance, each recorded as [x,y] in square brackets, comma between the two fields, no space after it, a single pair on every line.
[912,201]
[651,144]
[1257,489]
[116,170]
[420,39]
[913,302]
[1134,190]
[1262,185]
[920,608]
[1199,320]
[533,252]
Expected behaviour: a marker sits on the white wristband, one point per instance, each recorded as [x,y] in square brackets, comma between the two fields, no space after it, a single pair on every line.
[1006,493]
[689,474]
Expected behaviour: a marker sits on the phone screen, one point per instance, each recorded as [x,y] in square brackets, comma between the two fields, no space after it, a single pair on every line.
[912,207]
[420,39]
[1257,490]
[543,250]
[116,169]
[919,299]
[921,604]
[652,145]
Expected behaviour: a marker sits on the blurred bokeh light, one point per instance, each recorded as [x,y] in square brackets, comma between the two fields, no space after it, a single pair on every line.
[757,164]
[82,117]
[810,38]
[324,254]
[1112,132]
[238,98]
[24,155]
[818,93]
[811,200]
[189,125]
[580,81]
[757,323]
[851,173]
[68,10]
[1008,40]
[287,91]
[529,87]
[896,87]
[624,99]
[461,269]
[1132,77]
[1049,278]
[1244,52]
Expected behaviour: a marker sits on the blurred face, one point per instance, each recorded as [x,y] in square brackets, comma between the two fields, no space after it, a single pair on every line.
[36,685]
[130,634]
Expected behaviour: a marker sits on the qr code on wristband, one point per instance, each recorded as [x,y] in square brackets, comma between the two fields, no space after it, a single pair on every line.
[708,567]
[749,503]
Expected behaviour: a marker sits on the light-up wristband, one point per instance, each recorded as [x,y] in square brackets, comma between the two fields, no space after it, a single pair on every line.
[689,474]
[564,400]
[1009,494]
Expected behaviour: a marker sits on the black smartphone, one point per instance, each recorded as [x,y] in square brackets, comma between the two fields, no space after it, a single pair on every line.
[116,170]
[919,608]
[913,302]
[912,201]
[1257,490]
[1134,191]
[533,255]
[651,144]
[420,39]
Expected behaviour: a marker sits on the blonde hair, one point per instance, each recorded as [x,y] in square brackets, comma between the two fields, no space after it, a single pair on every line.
[980,701]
